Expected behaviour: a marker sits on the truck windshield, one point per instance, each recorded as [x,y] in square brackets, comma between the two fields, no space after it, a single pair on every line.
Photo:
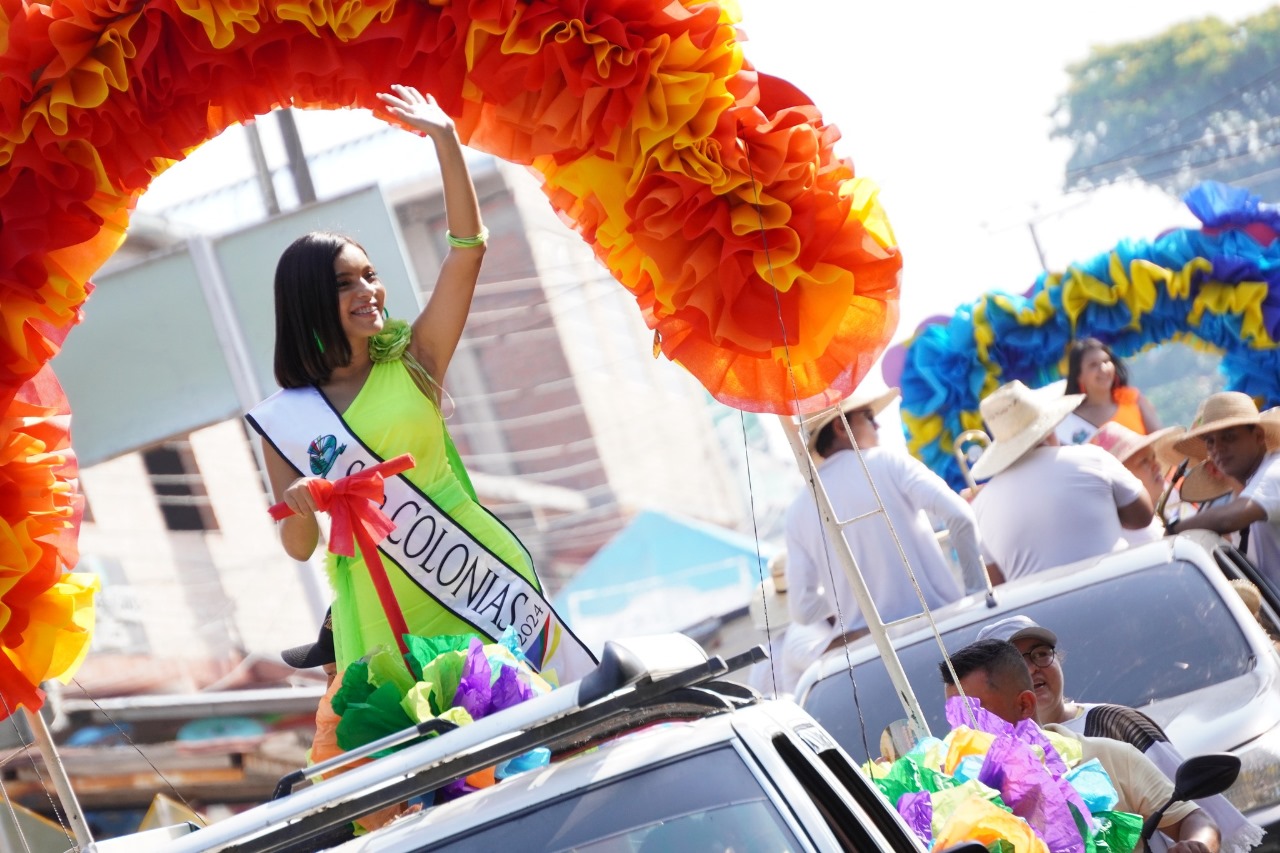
[1128,640]
[708,801]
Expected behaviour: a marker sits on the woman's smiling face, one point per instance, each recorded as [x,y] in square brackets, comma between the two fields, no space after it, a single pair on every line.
[1097,372]
[361,294]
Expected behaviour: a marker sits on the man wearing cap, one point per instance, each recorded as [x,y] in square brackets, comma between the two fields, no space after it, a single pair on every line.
[1047,504]
[320,653]
[1243,444]
[993,672]
[819,591]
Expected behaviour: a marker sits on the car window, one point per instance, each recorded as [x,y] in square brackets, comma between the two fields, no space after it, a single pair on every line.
[1129,640]
[709,801]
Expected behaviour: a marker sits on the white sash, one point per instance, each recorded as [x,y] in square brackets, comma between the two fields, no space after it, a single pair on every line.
[427,545]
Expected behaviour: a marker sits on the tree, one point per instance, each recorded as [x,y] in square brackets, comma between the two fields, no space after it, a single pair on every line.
[1200,101]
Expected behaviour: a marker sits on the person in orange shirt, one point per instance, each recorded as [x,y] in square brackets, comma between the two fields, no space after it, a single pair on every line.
[1095,371]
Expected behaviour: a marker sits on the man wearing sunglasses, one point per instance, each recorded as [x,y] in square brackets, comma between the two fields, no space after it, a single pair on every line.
[994,672]
[1039,649]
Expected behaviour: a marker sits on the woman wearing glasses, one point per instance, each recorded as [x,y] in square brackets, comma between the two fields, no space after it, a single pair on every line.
[1039,647]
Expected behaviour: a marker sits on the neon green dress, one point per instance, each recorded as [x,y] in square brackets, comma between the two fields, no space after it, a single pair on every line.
[392,416]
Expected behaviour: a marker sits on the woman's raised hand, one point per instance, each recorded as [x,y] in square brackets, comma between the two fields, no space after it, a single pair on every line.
[417,110]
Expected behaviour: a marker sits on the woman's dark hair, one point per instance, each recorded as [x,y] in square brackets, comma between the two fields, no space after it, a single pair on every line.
[310,342]
[1075,355]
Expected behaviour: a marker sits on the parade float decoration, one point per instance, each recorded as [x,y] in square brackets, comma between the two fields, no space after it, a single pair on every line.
[1013,788]
[1216,287]
[710,191]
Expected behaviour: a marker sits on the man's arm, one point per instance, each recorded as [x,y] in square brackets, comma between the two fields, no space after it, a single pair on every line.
[1136,515]
[1228,518]
[1195,833]
[931,493]
[805,598]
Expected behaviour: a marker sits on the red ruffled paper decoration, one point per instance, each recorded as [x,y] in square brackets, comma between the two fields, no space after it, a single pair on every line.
[764,265]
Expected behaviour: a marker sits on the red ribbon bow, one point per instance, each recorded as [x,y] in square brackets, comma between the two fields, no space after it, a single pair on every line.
[354,505]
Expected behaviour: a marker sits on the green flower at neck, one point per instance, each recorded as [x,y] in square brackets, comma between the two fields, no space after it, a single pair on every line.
[390,343]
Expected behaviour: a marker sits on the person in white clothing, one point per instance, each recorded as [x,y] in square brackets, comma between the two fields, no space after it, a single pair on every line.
[1243,444]
[818,589]
[1045,504]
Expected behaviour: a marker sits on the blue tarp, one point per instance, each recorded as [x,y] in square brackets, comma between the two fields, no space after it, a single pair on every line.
[656,552]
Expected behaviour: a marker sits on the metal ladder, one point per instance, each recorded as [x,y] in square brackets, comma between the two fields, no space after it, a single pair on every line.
[917,725]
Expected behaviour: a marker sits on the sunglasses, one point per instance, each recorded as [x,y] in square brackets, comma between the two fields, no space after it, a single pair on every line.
[867,414]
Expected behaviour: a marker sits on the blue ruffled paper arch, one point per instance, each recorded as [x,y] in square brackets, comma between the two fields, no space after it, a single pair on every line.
[1215,287]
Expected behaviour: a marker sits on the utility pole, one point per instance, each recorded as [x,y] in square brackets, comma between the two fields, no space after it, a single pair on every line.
[1035,238]
[297,157]
[265,185]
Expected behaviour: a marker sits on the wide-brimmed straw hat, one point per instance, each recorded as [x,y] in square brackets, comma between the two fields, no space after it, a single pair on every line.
[1122,442]
[1221,411]
[1165,454]
[768,606]
[1205,482]
[876,401]
[1018,418]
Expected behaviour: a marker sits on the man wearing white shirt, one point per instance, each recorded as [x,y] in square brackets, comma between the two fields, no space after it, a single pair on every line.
[1047,504]
[1243,444]
[819,592]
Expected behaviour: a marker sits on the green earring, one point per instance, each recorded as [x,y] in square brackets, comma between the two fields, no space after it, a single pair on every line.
[386,315]
[319,343]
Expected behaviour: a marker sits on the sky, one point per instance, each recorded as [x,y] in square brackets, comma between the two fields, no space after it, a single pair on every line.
[947,107]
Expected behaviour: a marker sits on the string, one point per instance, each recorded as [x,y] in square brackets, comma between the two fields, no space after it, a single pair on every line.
[26,748]
[755,532]
[795,396]
[13,814]
[138,749]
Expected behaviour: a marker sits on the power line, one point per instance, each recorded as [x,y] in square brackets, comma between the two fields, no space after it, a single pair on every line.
[1231,94]
[1218,137]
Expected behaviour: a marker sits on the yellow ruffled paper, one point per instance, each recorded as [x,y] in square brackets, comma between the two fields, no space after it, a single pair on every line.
[982,821]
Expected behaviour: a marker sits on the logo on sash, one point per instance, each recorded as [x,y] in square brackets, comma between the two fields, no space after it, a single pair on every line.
[323,451]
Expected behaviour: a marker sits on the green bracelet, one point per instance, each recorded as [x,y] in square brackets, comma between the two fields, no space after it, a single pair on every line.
[468,242]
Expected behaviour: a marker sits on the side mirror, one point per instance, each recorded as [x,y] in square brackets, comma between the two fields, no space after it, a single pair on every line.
[1205,775]
[1197,777]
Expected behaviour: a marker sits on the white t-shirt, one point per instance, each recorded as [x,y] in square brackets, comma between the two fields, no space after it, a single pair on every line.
[1055,505]
[1263,489]
[816,584]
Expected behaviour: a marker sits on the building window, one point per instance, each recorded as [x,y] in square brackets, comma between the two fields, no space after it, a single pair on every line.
[179,488]
[118,625]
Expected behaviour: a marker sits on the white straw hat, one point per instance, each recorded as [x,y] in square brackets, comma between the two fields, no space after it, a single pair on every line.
[1018,418]
[876,401]
[1221,411]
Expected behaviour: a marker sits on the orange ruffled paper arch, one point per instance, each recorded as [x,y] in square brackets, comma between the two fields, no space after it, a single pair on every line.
[712,192]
